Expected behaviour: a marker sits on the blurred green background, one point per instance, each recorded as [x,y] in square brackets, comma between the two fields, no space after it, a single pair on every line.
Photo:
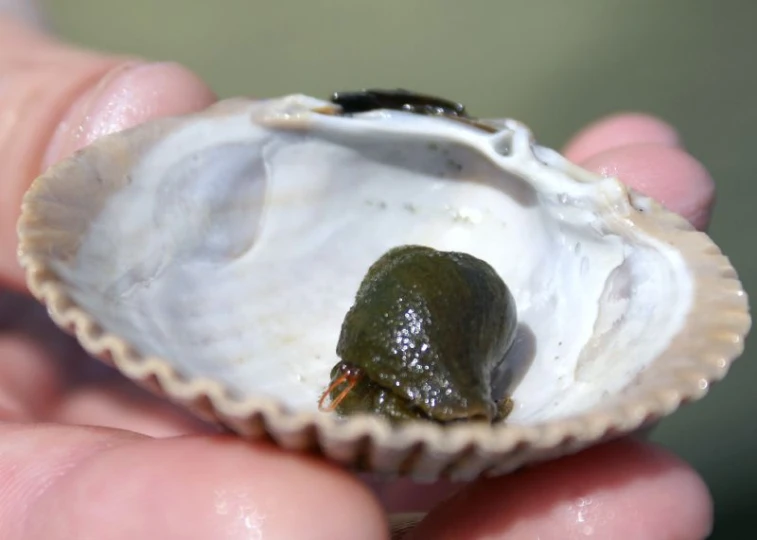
[555,65]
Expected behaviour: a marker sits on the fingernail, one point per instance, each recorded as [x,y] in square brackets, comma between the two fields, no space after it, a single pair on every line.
[128,95]
[71,133]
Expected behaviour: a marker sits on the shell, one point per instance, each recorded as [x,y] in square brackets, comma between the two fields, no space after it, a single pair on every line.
[240,193]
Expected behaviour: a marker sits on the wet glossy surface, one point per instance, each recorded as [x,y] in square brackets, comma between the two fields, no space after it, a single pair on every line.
[424,337]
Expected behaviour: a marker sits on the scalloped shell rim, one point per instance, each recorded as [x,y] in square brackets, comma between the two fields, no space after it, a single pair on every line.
[425,451]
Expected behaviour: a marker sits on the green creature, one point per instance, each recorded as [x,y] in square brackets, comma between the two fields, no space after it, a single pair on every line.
[423,339]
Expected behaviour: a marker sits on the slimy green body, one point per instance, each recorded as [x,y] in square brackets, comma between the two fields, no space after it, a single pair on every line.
[425,334]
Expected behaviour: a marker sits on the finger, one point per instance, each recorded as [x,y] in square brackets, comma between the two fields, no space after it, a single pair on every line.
[119,403]
[644,152]
[46,376]
[34,388]
[91,484]
[30,384]
[667,174]
[624,489]
[28,387]
[617,131]
[56,99]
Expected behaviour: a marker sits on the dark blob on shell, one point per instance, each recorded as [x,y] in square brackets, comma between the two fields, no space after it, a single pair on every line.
[423,338]
[399,99]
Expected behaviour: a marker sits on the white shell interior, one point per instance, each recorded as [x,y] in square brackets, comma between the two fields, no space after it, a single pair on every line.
[237,246]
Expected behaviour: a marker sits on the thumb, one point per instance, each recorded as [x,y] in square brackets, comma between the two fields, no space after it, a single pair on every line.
[91,483]
[56,99]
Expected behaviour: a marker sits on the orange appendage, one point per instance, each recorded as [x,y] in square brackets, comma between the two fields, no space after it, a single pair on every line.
[350,376]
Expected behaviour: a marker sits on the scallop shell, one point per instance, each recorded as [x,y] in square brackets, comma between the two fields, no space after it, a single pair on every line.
[210,258]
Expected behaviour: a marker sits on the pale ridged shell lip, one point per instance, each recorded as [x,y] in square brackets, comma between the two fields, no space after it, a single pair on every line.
[700,356]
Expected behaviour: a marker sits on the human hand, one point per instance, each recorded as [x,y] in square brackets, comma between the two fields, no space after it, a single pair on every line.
[85,454]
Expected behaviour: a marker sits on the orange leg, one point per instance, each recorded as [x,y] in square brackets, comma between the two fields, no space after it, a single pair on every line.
[351,377]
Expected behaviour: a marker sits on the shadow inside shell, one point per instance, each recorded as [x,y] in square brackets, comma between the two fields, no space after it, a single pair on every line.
[516,363]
